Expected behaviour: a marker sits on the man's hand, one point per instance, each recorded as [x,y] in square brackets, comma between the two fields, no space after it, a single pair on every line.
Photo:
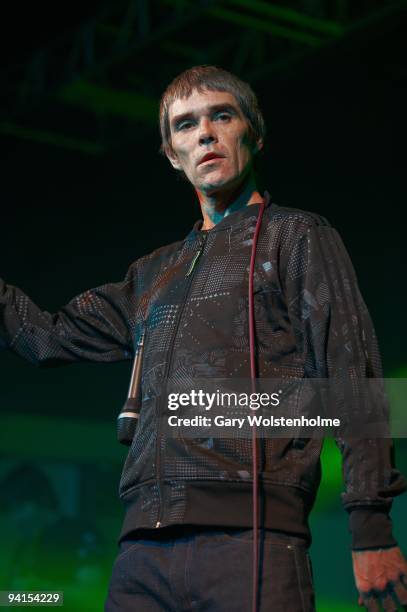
[381,579]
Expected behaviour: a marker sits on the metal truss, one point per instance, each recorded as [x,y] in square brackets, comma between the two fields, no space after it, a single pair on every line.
[109,73]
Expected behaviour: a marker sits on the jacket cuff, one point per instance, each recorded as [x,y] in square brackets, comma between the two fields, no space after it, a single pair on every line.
[371,528]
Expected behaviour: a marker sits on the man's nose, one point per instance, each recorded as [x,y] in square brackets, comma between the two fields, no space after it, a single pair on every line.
[206,132]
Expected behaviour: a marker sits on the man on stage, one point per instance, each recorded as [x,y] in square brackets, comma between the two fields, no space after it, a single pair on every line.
[254,287]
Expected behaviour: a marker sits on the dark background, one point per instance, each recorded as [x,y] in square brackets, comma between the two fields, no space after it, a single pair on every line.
[74,217]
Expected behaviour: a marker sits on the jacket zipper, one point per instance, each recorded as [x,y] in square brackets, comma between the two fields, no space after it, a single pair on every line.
[189,275]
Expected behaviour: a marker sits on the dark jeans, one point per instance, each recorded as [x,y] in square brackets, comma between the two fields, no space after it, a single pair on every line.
[210,570]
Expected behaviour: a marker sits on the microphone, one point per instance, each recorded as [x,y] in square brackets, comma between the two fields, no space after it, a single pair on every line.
[128,417]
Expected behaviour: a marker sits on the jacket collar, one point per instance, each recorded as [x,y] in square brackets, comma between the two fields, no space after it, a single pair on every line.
[229,221]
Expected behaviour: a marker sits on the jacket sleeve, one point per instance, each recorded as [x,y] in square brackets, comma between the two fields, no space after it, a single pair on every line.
[334,332]
[97,325]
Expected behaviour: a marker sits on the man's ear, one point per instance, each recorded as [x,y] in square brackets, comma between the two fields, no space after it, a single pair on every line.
[173,158]
[258,145]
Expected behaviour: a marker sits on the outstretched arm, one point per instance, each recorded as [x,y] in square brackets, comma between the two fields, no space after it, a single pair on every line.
[97,325]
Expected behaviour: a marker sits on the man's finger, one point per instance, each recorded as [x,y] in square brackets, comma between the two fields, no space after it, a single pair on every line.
[400,591]
[370,602]
[389,603]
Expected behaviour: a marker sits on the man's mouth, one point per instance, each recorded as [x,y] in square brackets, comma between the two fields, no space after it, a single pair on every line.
[210,157]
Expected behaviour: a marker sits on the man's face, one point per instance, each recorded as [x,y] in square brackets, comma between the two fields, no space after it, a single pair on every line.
[210,140]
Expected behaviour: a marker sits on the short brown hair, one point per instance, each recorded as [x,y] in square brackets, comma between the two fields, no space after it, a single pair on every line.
[211,78]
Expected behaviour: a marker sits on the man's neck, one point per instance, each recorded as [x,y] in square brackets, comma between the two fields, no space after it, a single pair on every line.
[216,206]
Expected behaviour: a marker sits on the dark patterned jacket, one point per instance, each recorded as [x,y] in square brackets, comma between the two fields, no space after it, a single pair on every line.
[191,300]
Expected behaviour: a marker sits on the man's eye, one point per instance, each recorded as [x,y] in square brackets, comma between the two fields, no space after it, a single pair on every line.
[184,125]
[222,116]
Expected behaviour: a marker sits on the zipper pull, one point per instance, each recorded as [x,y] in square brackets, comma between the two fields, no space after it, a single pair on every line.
[193,262]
